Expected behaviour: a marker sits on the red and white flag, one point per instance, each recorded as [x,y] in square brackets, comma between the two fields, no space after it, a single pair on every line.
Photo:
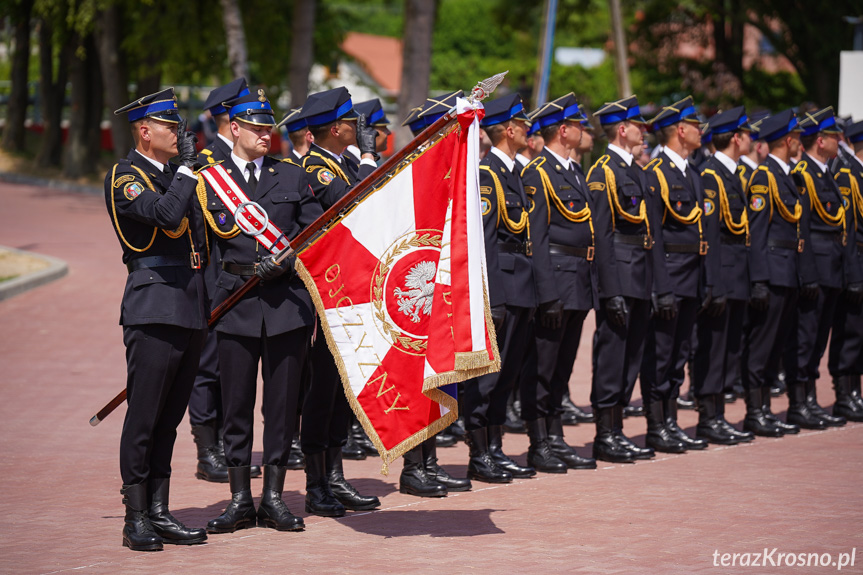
[400,285]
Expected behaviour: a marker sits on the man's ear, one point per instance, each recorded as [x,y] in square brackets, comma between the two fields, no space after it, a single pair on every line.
[235,129]
[144,131]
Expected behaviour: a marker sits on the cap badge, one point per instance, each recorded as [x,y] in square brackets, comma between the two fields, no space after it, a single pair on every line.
[261,97]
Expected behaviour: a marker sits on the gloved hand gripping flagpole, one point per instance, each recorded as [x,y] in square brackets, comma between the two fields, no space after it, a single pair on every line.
[334,214]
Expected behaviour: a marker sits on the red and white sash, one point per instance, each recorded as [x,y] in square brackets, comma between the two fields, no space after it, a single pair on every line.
[233,196]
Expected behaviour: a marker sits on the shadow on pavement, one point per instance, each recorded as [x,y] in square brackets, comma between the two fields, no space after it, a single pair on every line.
[436,523]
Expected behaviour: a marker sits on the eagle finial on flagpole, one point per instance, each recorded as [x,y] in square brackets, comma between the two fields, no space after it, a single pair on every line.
[486,87]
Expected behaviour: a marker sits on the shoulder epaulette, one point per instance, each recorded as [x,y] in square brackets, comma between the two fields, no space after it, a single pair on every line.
[214,163]
[207,152]
[290,161]
[534,163]
[799,167]
[653,164]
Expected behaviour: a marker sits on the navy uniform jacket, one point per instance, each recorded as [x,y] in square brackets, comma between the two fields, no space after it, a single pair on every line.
[557,199]
[683,272]
[723,190]
[152,216]
[630,271]
[850,179]
[274,306]
[330,180]
[773,255]
[505,221]
[217,151]
[827,237]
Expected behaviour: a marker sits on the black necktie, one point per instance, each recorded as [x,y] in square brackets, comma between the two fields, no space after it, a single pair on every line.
[167,170]
[253,181]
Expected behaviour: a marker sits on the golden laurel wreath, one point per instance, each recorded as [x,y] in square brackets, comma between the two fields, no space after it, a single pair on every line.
[413,240]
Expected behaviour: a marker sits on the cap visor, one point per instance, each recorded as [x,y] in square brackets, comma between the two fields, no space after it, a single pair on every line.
[257,120]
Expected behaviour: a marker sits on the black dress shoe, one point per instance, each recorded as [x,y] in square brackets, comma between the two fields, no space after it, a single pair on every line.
[166,525]
[240,512]
[320,499]
[495,448]
[342,489]
[138,533]
[481,466]
[438,473]
[606,444]
[272,511]
[562,450]
[415,481]
[633,411]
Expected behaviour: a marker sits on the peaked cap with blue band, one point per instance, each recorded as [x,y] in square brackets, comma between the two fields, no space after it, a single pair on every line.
[329,106]
[854,132]
[755,120]
[292,122]
[621,111]
[823,120]
[504,109]
[431,111]
[373,111]
[682,111]
[159,106]
[229,91]
[557,111]
[252,109]
[729,121]
[534,125]
[778,125]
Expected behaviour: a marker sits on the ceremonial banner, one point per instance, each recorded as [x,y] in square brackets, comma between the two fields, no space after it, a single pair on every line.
[400,286]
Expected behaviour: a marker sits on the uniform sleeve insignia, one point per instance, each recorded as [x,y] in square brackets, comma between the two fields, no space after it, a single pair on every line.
[710,193]
[530,190]
[757,202]
[325,177]
[596,186]
[122,180]
[485,190]
[486,206]
[709,206]
[133,190]
[758,189]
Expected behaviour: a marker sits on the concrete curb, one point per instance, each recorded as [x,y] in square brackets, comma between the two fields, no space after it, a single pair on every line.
[55,270]
[48,183]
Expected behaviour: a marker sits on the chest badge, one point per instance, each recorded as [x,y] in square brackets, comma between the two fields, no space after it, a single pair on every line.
[634,201]
[679,205]
[828,206]
[222,218]
[571,205]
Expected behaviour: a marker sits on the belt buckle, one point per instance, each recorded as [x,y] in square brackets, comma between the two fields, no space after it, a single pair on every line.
[800,244]
[648,242]
[702,248]
[590,251]
[528,248]
[195,260]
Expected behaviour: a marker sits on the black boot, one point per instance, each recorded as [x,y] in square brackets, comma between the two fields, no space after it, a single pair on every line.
[817,410]
[766,398]
[562,450]
[798,411]
[254,470]
[211,460]
[625,442]
[740,436]
[344,491]
[481,466]
[272,511]
[437,473]
[540,455]
[514,423]
[674,429]
[240,512]
[845,405]
[415,481]
[296,460]
[138,533]
[320,499]
[658,436]
[580,416]
[633,411]
[755,421]
[166,525]
[709,427]
[457,429]
[606,446]
[685,402]
[352,451]
[855,391]
[495,448]
[362,440]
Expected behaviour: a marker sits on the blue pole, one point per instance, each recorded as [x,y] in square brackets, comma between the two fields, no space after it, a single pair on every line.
[547,51]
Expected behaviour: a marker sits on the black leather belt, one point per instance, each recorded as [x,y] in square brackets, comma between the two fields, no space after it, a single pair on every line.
[732,240]
[559,250]
[239,269]
[827,236]
[525,248]
[699,248]
[786,244]
[191,262]
[642,240]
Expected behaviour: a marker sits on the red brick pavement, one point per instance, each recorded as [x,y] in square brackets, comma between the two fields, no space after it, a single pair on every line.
[61,358]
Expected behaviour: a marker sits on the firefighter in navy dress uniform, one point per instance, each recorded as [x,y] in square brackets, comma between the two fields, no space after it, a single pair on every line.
[163,313]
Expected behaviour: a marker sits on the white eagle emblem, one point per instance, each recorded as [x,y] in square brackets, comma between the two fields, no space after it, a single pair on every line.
[418,297]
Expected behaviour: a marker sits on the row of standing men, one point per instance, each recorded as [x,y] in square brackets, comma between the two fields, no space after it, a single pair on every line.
[558,242]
